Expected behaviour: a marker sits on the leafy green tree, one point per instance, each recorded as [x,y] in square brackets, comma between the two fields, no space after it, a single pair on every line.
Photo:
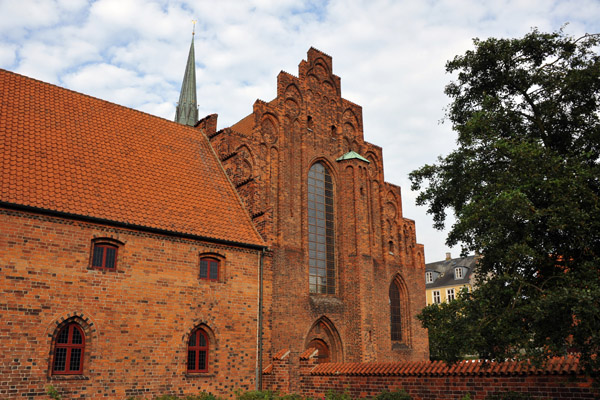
[524,185]
[448,327]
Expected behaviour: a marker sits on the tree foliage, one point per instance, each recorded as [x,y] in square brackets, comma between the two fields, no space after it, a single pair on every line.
[524,185]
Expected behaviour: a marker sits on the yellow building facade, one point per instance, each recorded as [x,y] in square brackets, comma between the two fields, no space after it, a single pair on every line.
[445,279]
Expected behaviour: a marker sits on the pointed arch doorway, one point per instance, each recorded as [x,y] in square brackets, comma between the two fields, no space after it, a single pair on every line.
[324,337]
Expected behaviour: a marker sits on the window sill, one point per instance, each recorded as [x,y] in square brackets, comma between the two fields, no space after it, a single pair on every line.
[399,346]
[104,270]
[325,303]
[68,378]
[322,298]
[194,375]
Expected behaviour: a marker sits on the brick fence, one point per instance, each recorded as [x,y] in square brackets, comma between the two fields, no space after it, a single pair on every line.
[560,379]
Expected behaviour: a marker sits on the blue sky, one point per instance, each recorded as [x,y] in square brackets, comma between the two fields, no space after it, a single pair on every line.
[389,54]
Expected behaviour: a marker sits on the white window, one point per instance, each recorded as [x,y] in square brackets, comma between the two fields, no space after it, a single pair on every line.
[450,294]
[428,277]
[458,273]
[436,297]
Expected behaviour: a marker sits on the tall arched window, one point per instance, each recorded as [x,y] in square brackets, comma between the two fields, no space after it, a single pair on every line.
[395,312]
[69,348]
[198,351]
[321,232]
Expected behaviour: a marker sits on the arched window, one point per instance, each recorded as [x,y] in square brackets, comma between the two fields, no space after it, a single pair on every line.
[209,268]
[395,313]
[69,347]
[321,233]
[197,360]
[104,253]
[105,256]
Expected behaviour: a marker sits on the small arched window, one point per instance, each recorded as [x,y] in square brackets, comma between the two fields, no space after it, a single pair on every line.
[395,313]
[197,360]
[209,268]
[104,253]
[69,348]
[321,232]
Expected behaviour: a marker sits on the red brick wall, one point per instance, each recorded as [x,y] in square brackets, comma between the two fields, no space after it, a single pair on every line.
[452,388]
[429,386]
[136,319]
[268,155]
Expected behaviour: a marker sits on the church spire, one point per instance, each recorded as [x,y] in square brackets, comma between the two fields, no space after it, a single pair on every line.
[187,110]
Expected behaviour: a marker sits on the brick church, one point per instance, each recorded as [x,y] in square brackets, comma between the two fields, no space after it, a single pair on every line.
[140,256]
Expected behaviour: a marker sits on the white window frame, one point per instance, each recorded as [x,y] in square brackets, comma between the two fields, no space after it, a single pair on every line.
[428,277]
[450,295]
[458,273]
[436,297]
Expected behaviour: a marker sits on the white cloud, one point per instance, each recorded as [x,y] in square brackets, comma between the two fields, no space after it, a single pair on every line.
[8,55]
[116,84]
[390,55]
[17,16]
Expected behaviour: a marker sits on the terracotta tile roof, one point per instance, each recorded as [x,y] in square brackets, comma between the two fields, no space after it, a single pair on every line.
[71,153]
[245,125]
[555,366]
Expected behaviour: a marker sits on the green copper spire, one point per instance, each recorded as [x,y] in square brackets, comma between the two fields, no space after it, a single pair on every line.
[187,109]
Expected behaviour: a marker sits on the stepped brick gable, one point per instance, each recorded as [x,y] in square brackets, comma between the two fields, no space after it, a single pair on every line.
[268,155]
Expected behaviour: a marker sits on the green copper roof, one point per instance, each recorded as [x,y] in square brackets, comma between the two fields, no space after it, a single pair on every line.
[187,109]
[352,155]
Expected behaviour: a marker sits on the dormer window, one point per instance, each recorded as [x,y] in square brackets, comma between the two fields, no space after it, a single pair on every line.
[458,273]
[428,277]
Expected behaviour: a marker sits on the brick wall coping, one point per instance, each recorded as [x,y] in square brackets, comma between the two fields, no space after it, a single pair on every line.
[554,366]
[268,370]
[308,353]
[281,354]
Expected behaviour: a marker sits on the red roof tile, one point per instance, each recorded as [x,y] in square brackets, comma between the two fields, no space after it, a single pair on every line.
[564,365]
[307,353]
[71,153]
[268,370]
[245,125]
[281,354]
